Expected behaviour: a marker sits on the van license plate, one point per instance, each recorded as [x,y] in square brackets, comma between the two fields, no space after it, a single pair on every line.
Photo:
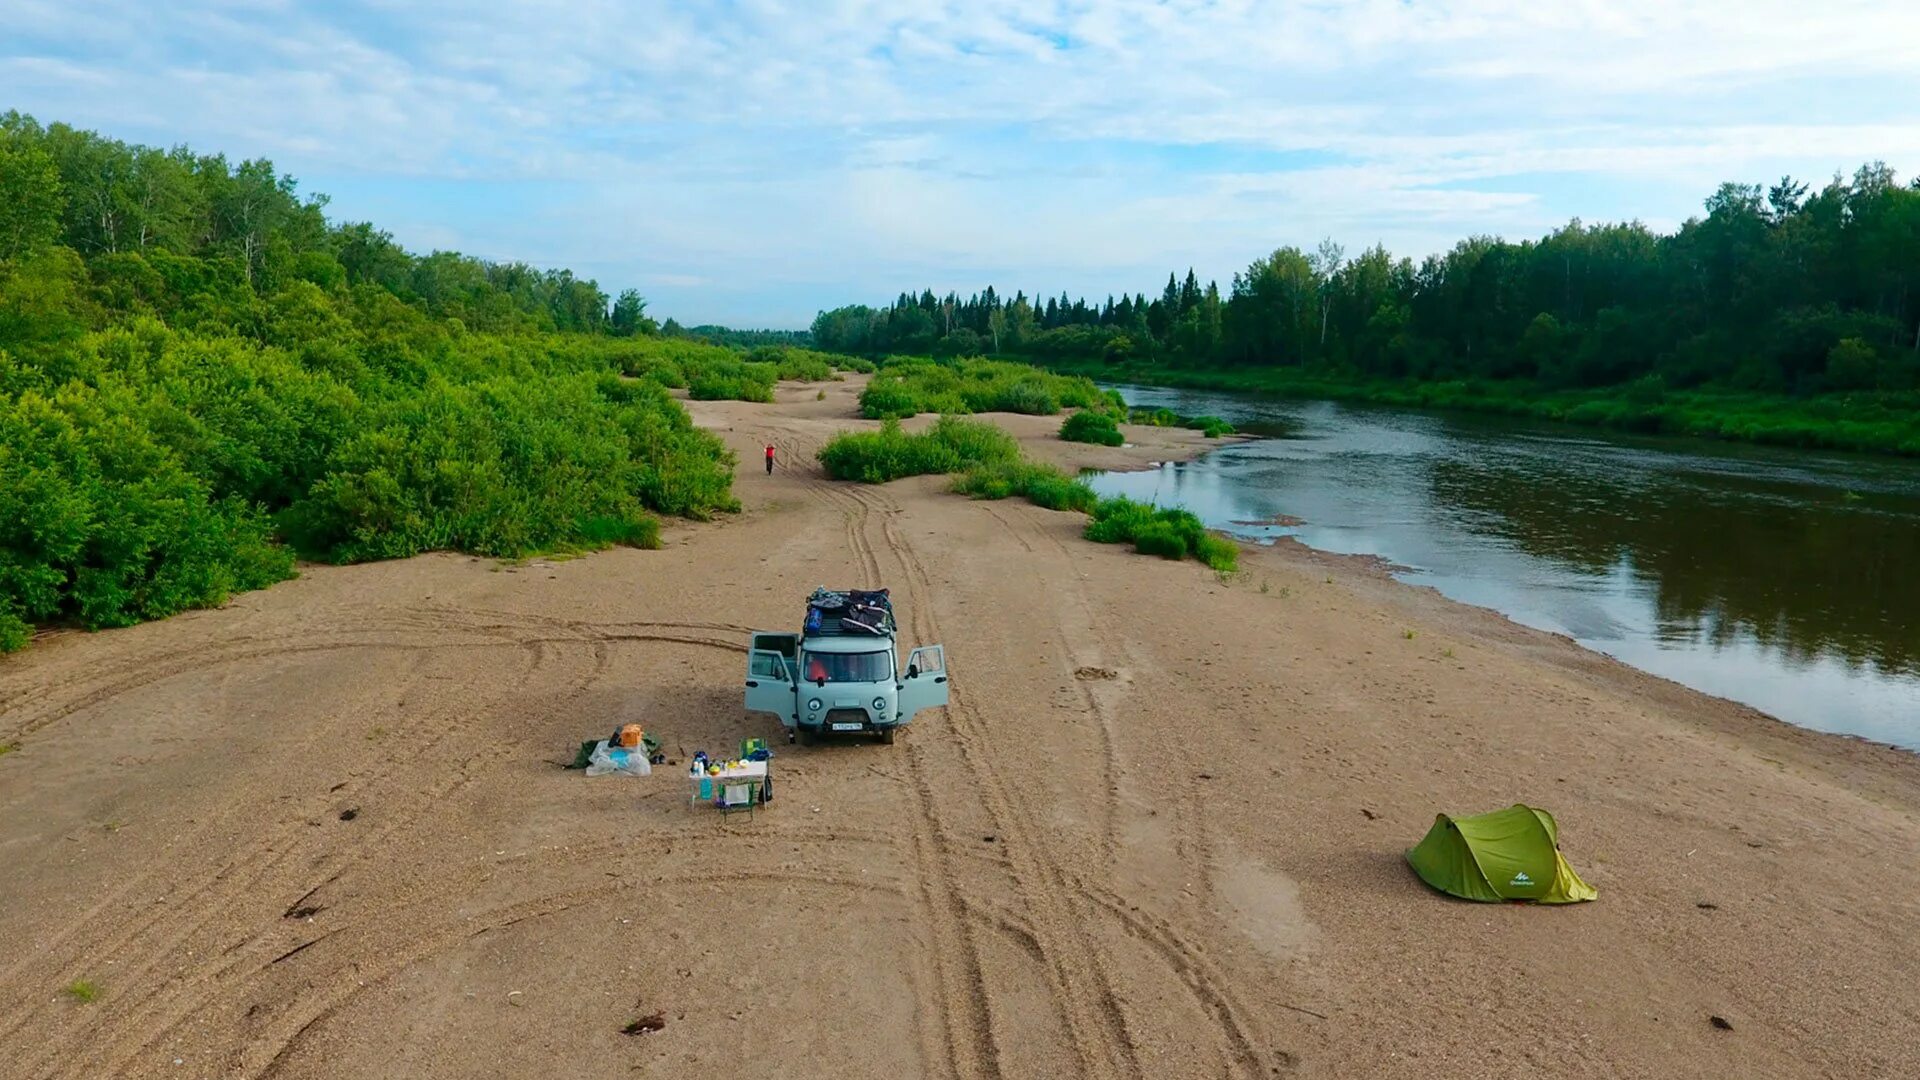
[848,727]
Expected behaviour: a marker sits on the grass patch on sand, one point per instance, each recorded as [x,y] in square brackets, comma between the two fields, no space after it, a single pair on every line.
[1168,533]
[950,445]
[1041,485]
[990,466]
[987,460]
[84,991]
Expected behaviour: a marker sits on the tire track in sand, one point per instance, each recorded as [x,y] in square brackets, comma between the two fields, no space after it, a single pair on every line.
[1110,651]
[268,864]
[244,869]
[427,931]
[1193,844]
[1081,989]
[189,1002]
[250,885]
[1095,1002]
[968,1046]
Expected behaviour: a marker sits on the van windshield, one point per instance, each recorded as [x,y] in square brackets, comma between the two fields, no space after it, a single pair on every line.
[848,667]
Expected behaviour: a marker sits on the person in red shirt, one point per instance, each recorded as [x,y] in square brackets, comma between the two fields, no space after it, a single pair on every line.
[769,460]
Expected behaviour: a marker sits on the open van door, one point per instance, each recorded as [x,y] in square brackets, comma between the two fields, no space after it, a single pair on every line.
[925,684]
[770,676]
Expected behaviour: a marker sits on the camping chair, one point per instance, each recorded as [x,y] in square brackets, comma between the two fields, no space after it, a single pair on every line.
[756,750]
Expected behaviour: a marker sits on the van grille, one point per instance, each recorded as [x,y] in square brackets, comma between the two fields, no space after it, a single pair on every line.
[846,716]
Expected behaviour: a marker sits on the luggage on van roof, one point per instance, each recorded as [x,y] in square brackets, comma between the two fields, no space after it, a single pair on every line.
[850,611]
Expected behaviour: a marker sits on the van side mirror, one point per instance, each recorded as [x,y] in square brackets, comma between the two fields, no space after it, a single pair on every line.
[913,671]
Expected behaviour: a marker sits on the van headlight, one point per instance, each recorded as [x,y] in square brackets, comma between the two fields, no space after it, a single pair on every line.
[880,705]
[814,705]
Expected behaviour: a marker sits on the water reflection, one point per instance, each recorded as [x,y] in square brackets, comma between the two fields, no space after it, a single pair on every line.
[1779,579]
[1806,575]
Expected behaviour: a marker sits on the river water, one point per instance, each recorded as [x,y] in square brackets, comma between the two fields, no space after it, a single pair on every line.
[1786,580]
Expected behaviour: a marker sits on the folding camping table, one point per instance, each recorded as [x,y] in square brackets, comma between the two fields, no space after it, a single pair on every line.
[733,789]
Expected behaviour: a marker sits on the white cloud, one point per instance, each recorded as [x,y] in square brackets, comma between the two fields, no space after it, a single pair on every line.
[765,143]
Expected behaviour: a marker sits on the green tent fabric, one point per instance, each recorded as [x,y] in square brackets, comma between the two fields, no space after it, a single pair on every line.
[1511,854]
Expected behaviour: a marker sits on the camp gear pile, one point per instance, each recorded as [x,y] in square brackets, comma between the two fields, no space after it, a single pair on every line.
[628,737]
[1511,854]
[849,611]
[611,758]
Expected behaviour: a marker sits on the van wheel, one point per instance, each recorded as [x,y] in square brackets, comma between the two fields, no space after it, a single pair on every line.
[886,736]
[805,735]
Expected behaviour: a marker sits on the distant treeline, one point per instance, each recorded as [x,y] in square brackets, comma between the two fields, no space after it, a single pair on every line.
[739,339]
[1777,290]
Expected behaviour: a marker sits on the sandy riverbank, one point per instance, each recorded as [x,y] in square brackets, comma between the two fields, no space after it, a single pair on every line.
[1158,834]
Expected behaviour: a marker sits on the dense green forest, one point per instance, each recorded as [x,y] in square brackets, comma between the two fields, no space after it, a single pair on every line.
[746,339]
[1782,313]
[201,377]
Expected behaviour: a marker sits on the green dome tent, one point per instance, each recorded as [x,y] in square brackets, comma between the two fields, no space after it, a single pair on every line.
[1511,854]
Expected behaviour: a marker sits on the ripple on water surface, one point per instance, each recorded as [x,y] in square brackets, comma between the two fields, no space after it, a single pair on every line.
[1780,579]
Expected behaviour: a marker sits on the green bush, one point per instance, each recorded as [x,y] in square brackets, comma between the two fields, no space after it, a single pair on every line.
[1092,427]
[986,458]
[1116,520]
[950,445]
[103,524]
[1212,426]
[177,419]
[1169,533]
[973,441]
[1161,538]
[708,372]
[888,401]
[1218,552]
[145,470]
[905,386]
[719,386]
[508,467]
[796,364]
[985,483]
[1042,485]
[1027,397]
[855,364]
[1050,488]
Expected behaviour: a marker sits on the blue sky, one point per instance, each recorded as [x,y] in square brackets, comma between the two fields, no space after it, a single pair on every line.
[751,162]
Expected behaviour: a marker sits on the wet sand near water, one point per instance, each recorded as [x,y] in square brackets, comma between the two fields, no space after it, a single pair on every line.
[323,831]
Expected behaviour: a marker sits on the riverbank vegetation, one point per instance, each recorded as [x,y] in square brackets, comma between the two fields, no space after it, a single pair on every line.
[985,460]
[1211,426]
[1167,532]
[201,376]
[891,452]
[906,386]
[1782,314]
[987,464]
[1880,423]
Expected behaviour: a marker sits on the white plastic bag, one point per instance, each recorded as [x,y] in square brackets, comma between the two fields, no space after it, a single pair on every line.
[618,759]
